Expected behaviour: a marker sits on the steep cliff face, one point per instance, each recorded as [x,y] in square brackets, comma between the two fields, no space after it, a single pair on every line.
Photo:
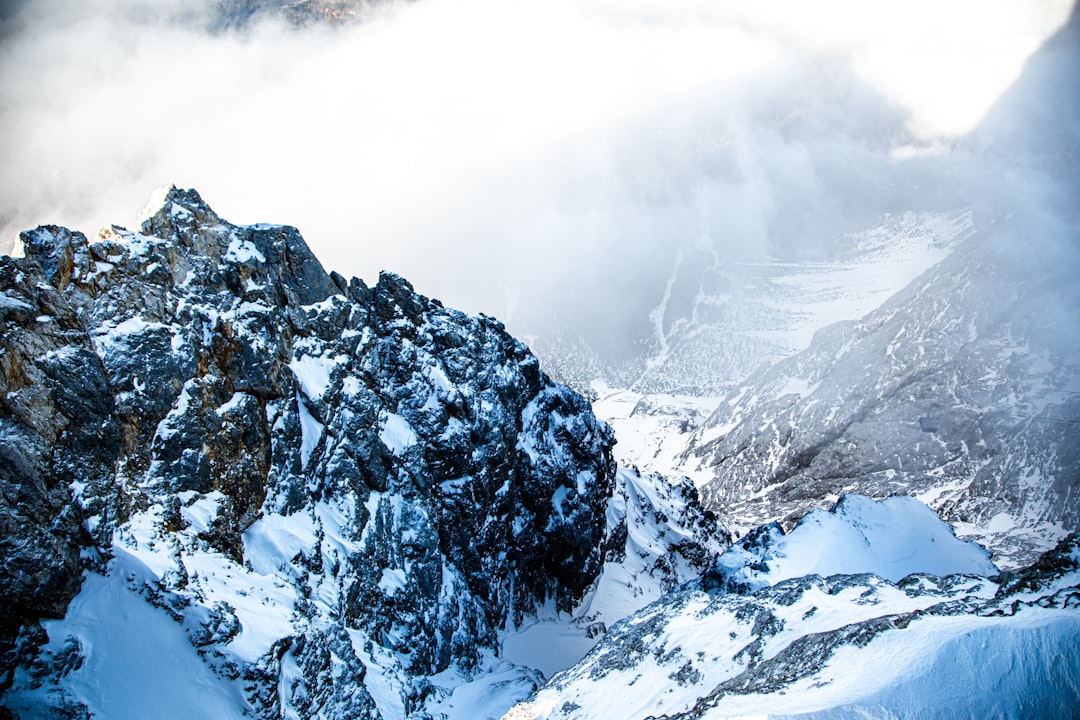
[56,425]
[320,481]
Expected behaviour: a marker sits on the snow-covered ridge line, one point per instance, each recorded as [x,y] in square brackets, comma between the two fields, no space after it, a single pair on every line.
[843,646]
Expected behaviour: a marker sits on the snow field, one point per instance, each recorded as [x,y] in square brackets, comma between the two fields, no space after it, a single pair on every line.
[891,538]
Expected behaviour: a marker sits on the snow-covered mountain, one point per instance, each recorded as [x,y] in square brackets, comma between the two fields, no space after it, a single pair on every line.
[855,633]
[705,343]
[235,485]
[333,492]
[238,486]
[659,537]
[962,389]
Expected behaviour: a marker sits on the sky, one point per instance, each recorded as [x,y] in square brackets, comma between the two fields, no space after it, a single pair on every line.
[503,155]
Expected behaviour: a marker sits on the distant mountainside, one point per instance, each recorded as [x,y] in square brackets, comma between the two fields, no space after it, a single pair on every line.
[963,389]
[715,302]
[717,318]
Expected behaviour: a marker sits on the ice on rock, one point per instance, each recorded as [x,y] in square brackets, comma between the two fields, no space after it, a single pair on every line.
[396,433]
[243,251]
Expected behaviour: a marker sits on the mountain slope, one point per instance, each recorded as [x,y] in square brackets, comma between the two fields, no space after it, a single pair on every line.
[847,645]
[717,317]
[962,390]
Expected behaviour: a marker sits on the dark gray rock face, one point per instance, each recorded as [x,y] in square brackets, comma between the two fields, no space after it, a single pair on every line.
[450,487]
[57,431]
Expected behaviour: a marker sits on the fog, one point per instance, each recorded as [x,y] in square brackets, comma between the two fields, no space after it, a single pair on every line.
[527,159]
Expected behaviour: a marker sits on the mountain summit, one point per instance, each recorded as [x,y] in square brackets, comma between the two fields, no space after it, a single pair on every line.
[317,481]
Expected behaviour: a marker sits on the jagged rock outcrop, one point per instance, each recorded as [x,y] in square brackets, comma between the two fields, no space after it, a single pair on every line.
[394,480]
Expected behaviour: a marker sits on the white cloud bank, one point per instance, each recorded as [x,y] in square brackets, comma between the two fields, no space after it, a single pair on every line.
[480,147]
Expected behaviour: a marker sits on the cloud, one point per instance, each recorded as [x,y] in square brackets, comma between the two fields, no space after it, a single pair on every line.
[505,156]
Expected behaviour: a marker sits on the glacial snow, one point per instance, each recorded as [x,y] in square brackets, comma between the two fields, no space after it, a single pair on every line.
[891,538]
[1017,667]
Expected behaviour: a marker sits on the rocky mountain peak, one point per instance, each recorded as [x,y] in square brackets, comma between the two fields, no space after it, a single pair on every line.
[177,214]
[55,250]
[210,389]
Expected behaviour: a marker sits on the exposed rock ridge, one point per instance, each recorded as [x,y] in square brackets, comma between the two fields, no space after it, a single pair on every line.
[210,388]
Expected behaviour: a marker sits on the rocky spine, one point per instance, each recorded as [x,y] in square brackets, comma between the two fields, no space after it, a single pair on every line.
[209,388]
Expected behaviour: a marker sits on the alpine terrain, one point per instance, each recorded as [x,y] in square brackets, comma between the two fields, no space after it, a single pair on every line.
[294,496]
[844,596]
[963,389]
[792,429]
[238,486]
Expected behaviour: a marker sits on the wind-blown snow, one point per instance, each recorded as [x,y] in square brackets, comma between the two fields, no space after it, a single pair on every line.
[891,538]
[487,696]
[243,251]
